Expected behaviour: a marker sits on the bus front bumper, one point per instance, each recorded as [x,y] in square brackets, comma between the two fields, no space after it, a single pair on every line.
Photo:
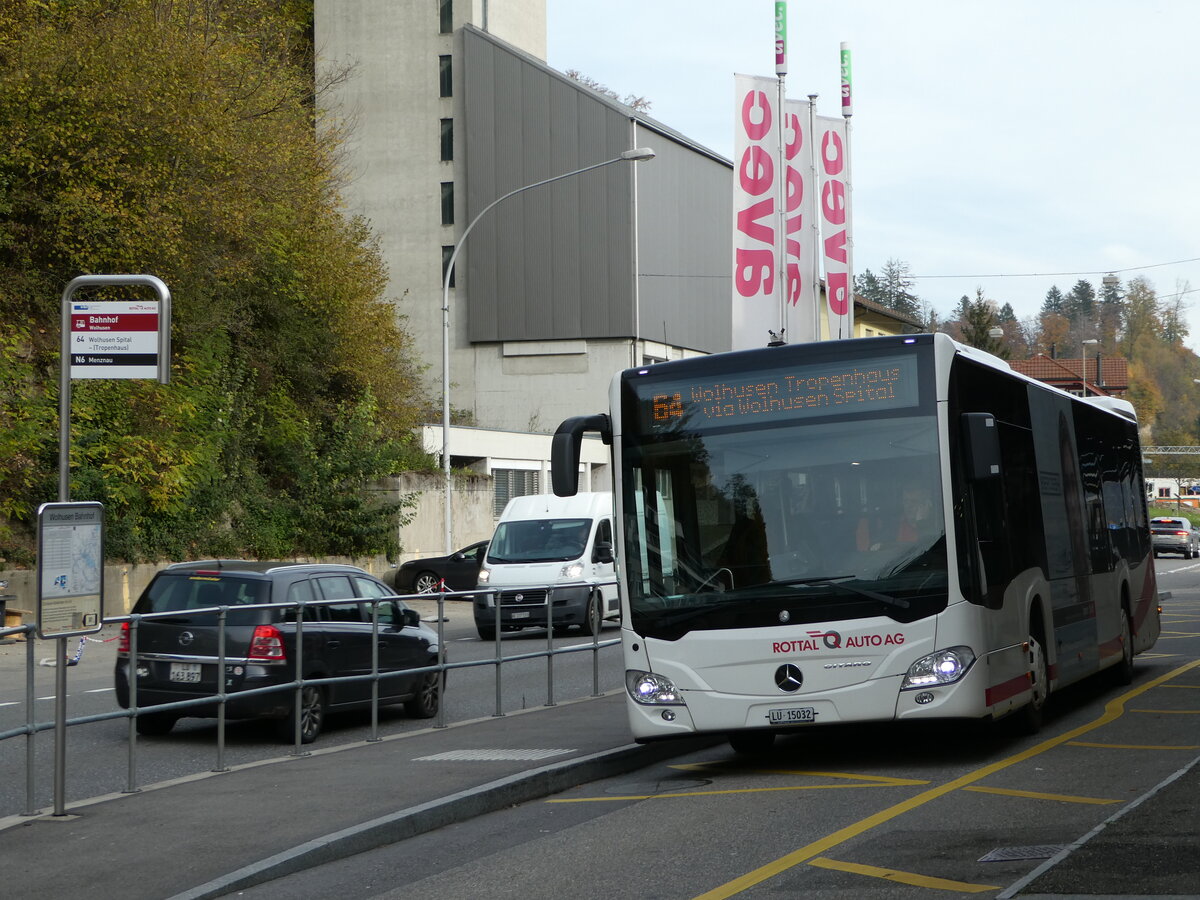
[875,700]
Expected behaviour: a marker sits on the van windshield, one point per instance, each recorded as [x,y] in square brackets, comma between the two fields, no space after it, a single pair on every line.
[539,540]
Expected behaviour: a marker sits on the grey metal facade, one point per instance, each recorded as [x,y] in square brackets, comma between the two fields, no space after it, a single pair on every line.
[685,236]
[560,263]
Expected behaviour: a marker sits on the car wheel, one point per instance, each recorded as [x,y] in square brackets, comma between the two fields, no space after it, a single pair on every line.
[312,716]
[593,619]
[156,723]
[1028,719]
[426,583]
[751,742]
[1122,672]
[486,632]
[424,705]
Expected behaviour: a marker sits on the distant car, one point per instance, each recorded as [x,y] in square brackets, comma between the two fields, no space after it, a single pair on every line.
[1174,534]
[459,571]
[178,654]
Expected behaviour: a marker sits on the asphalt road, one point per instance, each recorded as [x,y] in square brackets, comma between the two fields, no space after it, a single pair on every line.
[872,811]
[97,753]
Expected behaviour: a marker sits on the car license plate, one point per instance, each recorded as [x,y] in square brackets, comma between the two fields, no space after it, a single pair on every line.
[795,714]
[188,673]
[521,615]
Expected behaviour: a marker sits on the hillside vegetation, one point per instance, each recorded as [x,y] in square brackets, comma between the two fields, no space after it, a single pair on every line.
[187,141]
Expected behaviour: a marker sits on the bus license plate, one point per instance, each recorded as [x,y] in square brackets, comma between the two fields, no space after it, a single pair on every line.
[188,673]
[796,714]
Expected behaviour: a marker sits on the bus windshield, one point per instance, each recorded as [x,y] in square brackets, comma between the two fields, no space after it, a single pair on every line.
[806,521]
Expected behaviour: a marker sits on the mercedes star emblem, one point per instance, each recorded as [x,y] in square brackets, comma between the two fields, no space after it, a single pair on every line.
[788,678]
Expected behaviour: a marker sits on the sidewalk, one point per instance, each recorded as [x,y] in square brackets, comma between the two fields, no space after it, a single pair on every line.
[207,835]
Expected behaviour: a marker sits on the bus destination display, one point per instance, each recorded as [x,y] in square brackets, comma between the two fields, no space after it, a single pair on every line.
[821,389]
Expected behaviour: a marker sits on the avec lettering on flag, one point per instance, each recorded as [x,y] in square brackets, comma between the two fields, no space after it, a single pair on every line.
[761,186]
[832,184]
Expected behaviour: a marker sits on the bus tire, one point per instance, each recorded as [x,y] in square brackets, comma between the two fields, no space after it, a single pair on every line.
[750,743]
[1028,719]
[1122,672]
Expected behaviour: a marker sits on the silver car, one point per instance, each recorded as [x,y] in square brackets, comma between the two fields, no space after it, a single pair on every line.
[1175,534]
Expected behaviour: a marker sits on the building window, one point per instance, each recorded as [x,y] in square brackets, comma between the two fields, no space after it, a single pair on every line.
[447,252]
[445,76]
[509,483]
[446,15]
[447,202]
[447,140]
[1164,492]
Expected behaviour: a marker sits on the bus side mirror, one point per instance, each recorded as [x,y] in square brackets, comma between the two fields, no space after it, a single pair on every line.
[982,440]
[564,450]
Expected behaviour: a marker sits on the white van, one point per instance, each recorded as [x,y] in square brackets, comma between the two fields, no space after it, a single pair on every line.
[548,547]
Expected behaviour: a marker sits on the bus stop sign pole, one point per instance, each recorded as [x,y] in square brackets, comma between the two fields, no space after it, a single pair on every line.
[95,354]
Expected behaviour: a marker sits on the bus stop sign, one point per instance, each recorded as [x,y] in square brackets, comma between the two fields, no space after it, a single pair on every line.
[70,569]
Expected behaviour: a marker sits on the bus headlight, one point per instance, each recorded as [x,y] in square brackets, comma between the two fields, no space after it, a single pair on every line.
[574,570]
[944,667]
[652,690]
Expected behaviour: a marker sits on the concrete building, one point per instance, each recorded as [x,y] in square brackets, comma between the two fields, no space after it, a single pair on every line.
[557,288]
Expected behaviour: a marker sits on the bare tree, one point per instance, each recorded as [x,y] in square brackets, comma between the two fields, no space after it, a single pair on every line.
[633,101]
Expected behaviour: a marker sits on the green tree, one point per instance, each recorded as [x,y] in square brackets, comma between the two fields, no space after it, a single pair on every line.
[1054,302]
[1080,302]
[1142,324]
[978,320]
[187,140]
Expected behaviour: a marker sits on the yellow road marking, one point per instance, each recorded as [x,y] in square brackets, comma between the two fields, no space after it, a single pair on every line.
[1136,746]
[1034,795]
[926,881]
[1173,635]
[718,764]
[715,793]
[1190,687]
[1112,710]
[1170,712]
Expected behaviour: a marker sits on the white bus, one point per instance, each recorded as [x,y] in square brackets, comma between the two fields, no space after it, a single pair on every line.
[866,530]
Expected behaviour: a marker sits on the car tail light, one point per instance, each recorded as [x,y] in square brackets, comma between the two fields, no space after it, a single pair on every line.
[1181,532]
[267,643]
[123,642]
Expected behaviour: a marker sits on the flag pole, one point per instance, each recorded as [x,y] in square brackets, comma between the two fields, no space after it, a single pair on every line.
[847,112]
[781,173]
[816,219]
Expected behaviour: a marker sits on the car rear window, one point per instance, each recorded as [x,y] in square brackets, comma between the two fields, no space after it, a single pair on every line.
[1170,523]
[185,592]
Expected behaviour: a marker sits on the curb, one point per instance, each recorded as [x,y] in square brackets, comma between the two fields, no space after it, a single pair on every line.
[477,801]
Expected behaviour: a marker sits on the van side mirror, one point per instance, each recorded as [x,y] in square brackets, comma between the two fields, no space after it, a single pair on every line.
[603,552]
[564,450]
[981,440]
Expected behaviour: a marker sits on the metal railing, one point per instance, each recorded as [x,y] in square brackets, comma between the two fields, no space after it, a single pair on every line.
[221,697]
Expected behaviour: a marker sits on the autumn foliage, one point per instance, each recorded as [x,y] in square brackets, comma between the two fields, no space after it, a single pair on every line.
[187,140]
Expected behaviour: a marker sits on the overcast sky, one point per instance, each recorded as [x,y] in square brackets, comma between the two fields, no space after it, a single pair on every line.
[990,140]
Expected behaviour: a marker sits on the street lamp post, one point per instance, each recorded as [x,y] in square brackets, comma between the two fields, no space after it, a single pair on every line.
[1083,361]
[637,154]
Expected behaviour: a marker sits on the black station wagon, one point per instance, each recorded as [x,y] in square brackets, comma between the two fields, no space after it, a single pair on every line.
[178,655]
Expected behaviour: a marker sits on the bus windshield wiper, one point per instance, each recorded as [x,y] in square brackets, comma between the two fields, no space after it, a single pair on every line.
[885,599]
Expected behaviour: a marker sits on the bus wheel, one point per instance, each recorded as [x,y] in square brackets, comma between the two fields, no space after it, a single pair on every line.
[751,742]
[1122,672]
[1028,719]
